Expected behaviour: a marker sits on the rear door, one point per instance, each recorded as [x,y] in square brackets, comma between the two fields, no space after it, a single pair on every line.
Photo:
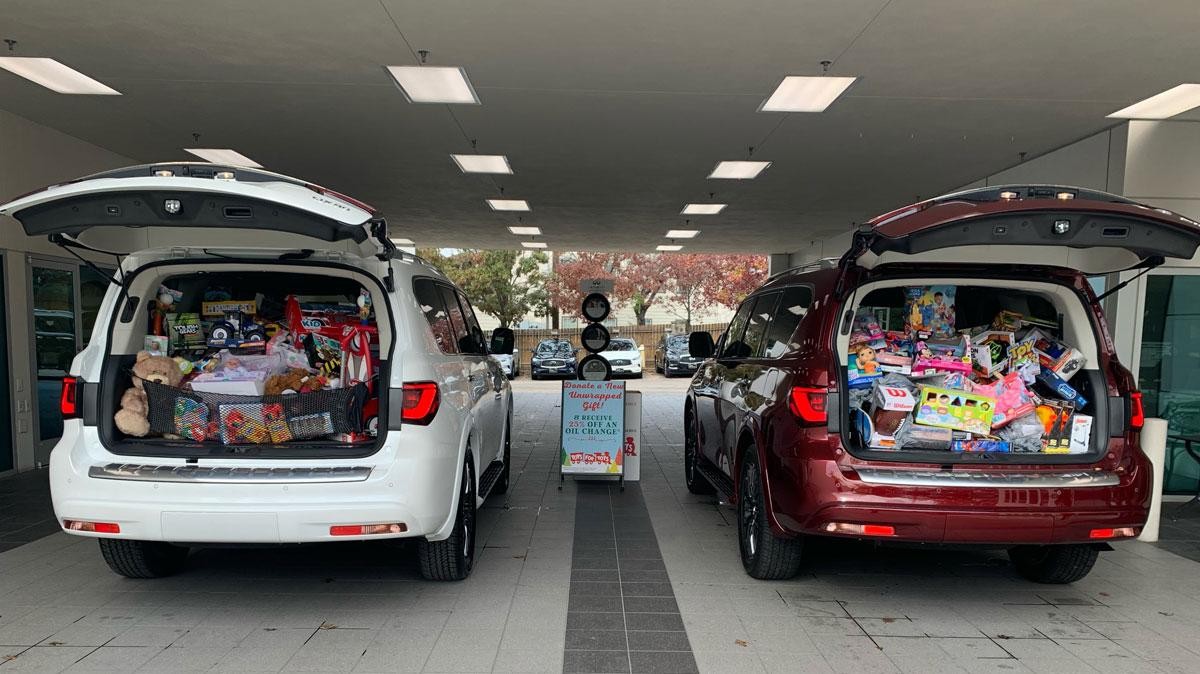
[475,365]
[198,196]
[493,405]
[708,386]
[1090,231]
[744,382]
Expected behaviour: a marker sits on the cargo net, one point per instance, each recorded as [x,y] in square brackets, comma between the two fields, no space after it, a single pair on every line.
[253,420]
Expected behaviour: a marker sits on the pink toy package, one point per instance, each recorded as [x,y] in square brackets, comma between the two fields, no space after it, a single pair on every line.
[943,356]
[1013,400]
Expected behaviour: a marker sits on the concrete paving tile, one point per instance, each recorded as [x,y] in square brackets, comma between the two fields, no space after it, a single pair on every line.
[185,659]
[21,634]
[46,659]
[662,662]
[115,659]
[464,651]
[657,641]
[595,662]
[533,661]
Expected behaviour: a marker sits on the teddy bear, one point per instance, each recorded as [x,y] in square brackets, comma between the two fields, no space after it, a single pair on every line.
[295,380]
[133,417]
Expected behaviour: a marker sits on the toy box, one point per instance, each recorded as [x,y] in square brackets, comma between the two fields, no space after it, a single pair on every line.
[224,307]
[867,330]
[1057,386]
[955,409]
[989,350]
[1023,359]
[898,342]
[914,436]
[857,376]
[1081,434]
[231,382]
[930,311]
[157,345]
[1055,356]
[1056,417]
[981,446]
[185,331]
[1013,400]
[947,355]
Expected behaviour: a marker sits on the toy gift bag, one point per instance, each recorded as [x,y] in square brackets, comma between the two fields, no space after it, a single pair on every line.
[930,311]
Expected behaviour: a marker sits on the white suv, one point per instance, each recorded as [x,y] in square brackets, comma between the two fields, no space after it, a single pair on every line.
[407,448]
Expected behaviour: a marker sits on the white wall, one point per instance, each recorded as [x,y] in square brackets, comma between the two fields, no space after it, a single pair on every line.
[32,156]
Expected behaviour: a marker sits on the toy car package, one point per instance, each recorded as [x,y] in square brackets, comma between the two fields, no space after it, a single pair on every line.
[1056,386]
[185,331]
[930,311]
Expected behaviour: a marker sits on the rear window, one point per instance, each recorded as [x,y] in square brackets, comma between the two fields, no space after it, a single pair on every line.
[553,348]
[793,305]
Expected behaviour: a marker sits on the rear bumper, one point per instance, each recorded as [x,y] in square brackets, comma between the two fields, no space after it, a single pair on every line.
[999,515]
[416,486]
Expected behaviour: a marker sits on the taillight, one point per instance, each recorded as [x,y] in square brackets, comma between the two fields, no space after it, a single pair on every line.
[419,402]
[1118,532]
[809,404]
[860,529]
[1137,414]
[367,529]
[94,527]
[68,403]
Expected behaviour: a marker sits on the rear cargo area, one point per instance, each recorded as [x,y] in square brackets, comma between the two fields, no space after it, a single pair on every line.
[941,370]
[239,360]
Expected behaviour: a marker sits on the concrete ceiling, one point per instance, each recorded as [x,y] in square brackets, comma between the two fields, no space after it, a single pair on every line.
[612,113]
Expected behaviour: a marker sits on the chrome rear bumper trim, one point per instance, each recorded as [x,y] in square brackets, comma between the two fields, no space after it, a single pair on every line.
[228,474]
[1034,480]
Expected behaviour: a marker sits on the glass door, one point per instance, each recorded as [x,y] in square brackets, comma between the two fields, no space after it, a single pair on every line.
[56,341]
[7,450]
[1169,368]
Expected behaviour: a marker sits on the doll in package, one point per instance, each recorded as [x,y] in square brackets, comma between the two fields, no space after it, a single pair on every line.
[930,311]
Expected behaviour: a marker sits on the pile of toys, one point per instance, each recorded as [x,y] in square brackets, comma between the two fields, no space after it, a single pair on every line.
[248,349]
[1003,387]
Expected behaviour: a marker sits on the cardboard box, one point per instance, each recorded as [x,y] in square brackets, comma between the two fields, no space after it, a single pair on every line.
[1059,387]
[1013,400]
[931,311]
[955,409]
[1081,434]
[927,437]
[241,383]
[220,308]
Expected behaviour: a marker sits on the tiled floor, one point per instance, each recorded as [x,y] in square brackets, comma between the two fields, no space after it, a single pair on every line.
[364,607]
[25,512]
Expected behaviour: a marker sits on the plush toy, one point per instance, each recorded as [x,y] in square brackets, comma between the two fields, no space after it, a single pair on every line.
[295,380]
[133,417]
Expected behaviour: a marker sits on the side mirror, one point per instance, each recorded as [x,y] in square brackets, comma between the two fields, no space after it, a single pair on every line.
[503,340]
[700,345]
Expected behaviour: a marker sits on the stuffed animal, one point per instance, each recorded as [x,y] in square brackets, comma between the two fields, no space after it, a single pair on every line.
[133,417]
[295,380]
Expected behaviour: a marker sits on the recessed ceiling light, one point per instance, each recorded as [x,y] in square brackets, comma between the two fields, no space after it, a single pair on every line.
[738,170]
[682,233]
[805,94]
[508,204]
[526,231]
[533,244]
[223,156]
[482,163]
[670,247]
[55,76]
[702,209]
[434,84]
[1161,106]
[403,242]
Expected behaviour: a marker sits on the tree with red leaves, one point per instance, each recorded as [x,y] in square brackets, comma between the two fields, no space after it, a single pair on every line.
[691,282]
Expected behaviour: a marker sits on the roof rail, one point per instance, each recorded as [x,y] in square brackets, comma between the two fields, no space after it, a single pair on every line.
[823,263]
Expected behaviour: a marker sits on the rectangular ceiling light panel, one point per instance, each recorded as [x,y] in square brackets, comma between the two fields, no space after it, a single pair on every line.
[738,170]
[55,76]
[223,156]
[526,231]
[669,247]
[702,209]
[1169,103]
[806,94]
[682,233]
[533,244]
[482,163]
[434,84]
[508,204]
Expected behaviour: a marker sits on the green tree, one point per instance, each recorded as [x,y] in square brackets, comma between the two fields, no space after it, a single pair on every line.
[505,284]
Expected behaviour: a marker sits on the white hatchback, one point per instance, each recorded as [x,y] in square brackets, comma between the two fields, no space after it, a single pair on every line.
[407,443]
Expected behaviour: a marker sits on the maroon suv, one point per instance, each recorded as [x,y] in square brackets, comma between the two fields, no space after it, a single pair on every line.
[794,430]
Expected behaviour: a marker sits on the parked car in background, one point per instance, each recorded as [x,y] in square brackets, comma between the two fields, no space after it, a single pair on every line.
[510,363]
[671,356]
[624,357]
[552,358]
[779,420]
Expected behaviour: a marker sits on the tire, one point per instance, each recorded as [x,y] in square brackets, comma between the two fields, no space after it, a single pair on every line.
[142,559]
[765,556]
[452,558]
[501,486]
[221,331]
[255,336]
[696,483]
[1054,564]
